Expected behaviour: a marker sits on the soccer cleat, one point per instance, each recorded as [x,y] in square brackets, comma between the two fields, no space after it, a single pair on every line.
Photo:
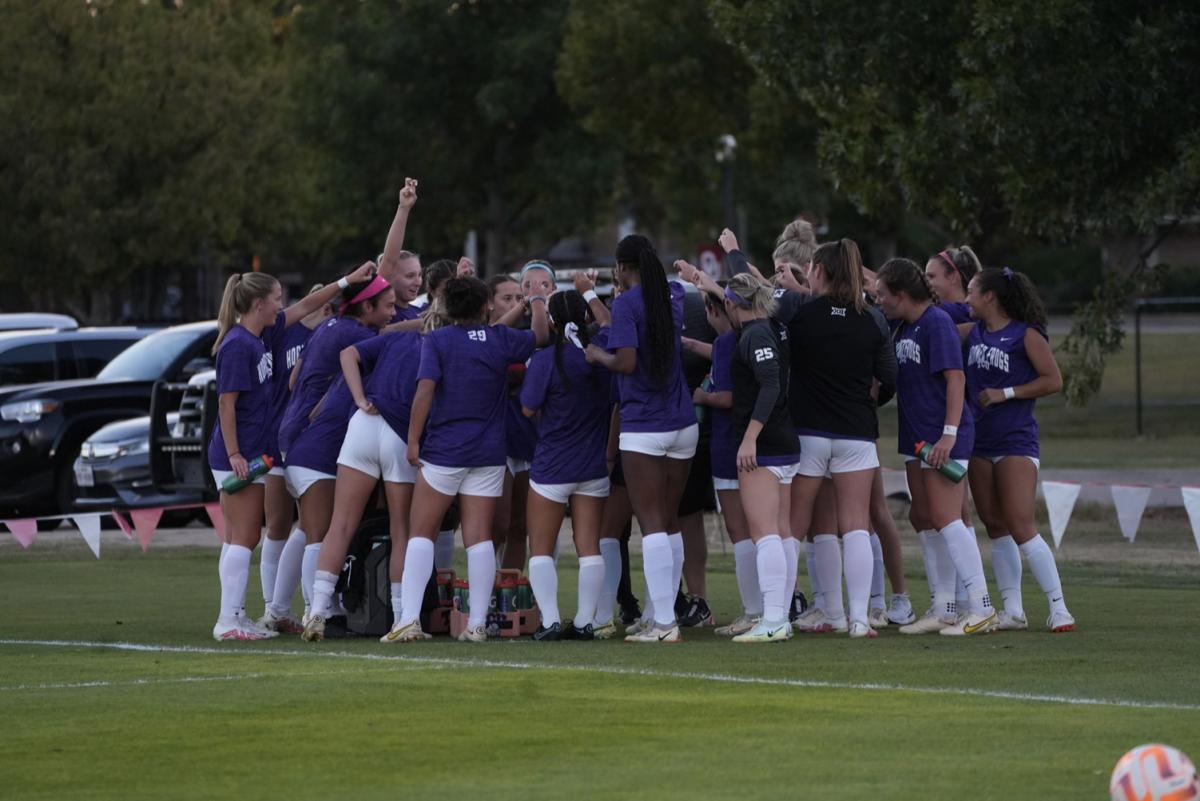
[573,632]
[860,630]
[767,631]
[473,634]
[604,631]
[238,633]
[283,624]
[806,621]
[1007,622]
[877,618]
[656,633]
[548,633]
[928,623]
[409,632]
[822,624]
[1060,622]
[639,625]
[314,629]
[250,624]
[697,613]
[740,626]
[972,624]
[631,613]
[901,612]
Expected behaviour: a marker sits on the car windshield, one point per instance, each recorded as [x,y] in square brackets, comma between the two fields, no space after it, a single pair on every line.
[147,359]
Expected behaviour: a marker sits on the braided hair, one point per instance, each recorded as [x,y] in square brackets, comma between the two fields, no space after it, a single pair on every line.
[635,252]
[903,275]
[1016,295]
[566,308]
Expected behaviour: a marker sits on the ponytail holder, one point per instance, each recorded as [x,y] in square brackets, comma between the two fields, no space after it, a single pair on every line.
[945,256]
[571,333]
[378,284]
[736,298]
[1007,273]
[538,265]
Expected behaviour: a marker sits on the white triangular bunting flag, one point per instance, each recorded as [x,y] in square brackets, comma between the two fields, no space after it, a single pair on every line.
[1191,502]
[1130,501]
[89,527]
[145,522]
[1060,501]
[23,530]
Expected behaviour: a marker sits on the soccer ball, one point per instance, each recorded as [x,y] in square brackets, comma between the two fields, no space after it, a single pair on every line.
[1154,773]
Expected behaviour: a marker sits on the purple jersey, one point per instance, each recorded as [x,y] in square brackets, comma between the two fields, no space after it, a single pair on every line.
[390,363]
[520,433]
[645,405]
[723,450]
[286,345]
[243,366]
[959,312]
[995,360]
[316,447]
[572,432]
[924,350]
[322,364]
[470,365]
[409,312]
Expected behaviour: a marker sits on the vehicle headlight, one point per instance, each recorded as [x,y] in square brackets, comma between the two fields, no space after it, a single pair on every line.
[110,450]
[28,411]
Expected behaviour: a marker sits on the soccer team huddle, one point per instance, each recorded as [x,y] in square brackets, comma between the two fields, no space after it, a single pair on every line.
[511,401]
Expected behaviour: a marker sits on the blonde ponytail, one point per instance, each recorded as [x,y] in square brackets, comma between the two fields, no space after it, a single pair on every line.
[241,290]
[760,295]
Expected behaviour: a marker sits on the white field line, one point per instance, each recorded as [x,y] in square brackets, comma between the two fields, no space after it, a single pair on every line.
[721,678]
[145,682]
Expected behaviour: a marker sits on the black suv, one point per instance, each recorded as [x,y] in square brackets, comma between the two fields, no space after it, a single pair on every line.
[43,425]
[48,354]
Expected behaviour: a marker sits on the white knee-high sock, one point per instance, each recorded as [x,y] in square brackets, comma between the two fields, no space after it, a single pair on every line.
[1006,564]
[606,606]
[268,566]
[968,564]
[544,579]
[418,567]
[308,571]
[829,567]
[772,573]
[676,541]
[481,573]
[397,596]
[814,576]
[443,554]
[659,566]
[287,578]
[877,573]
[324,586]
[745,568]
[1045,571]
[944,576]
[929,553]
[858,565]
[591,579]
[235,574]
[791,555]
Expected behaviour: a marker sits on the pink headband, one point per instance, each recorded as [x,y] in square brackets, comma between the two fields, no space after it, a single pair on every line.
[378,284]
[945,256]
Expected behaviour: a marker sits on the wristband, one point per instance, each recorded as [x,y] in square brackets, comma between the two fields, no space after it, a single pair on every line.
[590,295]
[532,298]
[343,284]
[951,430]
[1010,393]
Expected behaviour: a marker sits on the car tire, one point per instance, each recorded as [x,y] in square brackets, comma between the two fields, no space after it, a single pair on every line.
[64,485]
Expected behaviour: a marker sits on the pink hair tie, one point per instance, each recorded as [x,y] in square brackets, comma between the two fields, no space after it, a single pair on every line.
[378,285]
[945,256]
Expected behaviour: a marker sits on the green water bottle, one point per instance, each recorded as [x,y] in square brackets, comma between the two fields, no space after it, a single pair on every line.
[702,411]
[951,469]
[259,467]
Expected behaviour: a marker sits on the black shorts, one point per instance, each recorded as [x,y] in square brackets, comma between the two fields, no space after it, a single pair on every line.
[698,493]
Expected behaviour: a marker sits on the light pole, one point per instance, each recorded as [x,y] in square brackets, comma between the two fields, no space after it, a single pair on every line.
[726,152]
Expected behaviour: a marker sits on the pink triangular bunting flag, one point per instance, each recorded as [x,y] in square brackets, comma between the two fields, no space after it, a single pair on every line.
[145,522]
[23,530]
[123,523]
[218,520]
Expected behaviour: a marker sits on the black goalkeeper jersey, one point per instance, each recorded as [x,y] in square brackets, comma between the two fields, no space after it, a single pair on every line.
[760,373]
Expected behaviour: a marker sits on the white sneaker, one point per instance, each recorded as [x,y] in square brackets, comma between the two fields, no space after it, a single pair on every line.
[250,624]
[877,618]
[901,612]
[314,629]
[409,632]
[741,625]
[640,625]
[283,624]
[928,623]
[972,624]
[824,624]
[1007,622]
[238,633]
[604,631]
[473,634]
[861,630]
[766,631]
[1060,622]
[656,633]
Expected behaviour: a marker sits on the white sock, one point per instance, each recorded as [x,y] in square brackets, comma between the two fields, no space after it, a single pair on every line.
[1045,571]
[418,567]
[745,568]
[877,573]
[591,579]
[308,571]
[481,573]
[544,578]
[962,598]
[287,578]
[772,573]
[814,575]
[1006,564]
[235,574]
[606,606]
[929,553]
[791,556]
[964,552]
[829,567]
[944,576]
[658,564]
[443,552]
[397,600]
[268,566]
[676,541]
[858,565]
[324,586]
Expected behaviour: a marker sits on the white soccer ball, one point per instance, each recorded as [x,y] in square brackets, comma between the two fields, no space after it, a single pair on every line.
[1154,773]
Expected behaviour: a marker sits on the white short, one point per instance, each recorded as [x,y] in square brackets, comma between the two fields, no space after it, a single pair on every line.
[276,471]
[299,479]
[925,466]
[720,484]
[823,456]
[559,493]
[221,475]
[679,444]
[485,482]
[996,459]
[372,447]
[785,473]
[516,466]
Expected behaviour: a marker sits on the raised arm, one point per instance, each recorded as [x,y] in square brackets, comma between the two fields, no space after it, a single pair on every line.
[694,275]
[539,320]
[310,303]
[395,238]
[585,282]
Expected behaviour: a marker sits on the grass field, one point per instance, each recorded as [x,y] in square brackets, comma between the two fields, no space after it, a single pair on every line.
[171,714]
